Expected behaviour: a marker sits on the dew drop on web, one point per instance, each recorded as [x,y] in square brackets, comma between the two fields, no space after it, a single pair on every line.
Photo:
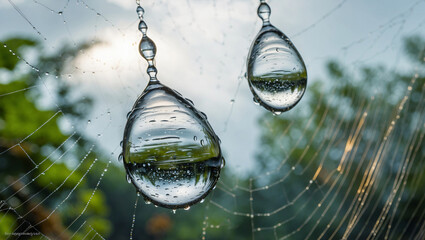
[276,74]
[162,155]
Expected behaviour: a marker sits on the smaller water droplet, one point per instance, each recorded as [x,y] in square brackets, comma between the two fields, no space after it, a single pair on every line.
[276,72]
[187,208]
[140,11]
[174,211]
[60,13]
[147,49]
[195,138]
[128,178]
[88,121]
[143,27]
[264,12]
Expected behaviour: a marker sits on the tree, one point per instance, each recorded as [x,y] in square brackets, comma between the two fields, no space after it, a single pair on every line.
[349,143]
[36,181]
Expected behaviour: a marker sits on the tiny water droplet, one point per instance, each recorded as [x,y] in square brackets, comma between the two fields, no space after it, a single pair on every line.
[147,48]
[88,121]
[187,208]
[264,12]
[128,178]
[174,211]
[276,72]
[143,27]
[140,11]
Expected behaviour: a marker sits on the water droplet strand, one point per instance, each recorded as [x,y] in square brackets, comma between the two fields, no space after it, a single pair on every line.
[161,154]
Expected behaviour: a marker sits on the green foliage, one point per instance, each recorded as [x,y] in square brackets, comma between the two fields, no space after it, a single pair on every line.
[54,175]
[30,143]
[21,117]
[332,137]
[8,59]
[313,136]
[7,224]
[415,49]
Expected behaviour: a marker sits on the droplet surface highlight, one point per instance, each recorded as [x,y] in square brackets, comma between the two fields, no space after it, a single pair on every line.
[277,75]
[161,158]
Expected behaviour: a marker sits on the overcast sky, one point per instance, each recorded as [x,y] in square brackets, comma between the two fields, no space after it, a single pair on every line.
[202,48]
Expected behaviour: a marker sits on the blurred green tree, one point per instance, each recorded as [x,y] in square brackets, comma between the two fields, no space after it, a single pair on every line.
[346,127]
[40,164]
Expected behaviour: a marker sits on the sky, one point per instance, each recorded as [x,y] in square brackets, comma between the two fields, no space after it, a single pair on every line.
[202,49]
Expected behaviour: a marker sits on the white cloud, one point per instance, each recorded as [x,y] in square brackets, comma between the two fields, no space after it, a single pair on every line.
[123,4]
[6,4]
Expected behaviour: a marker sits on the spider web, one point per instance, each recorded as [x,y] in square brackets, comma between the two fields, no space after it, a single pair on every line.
[347,162]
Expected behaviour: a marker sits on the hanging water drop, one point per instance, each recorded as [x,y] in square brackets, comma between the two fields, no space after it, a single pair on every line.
[277,75]
[163,158]
[170,169]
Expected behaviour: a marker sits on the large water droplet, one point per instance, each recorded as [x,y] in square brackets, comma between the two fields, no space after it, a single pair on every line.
[276,73]
[161,157]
